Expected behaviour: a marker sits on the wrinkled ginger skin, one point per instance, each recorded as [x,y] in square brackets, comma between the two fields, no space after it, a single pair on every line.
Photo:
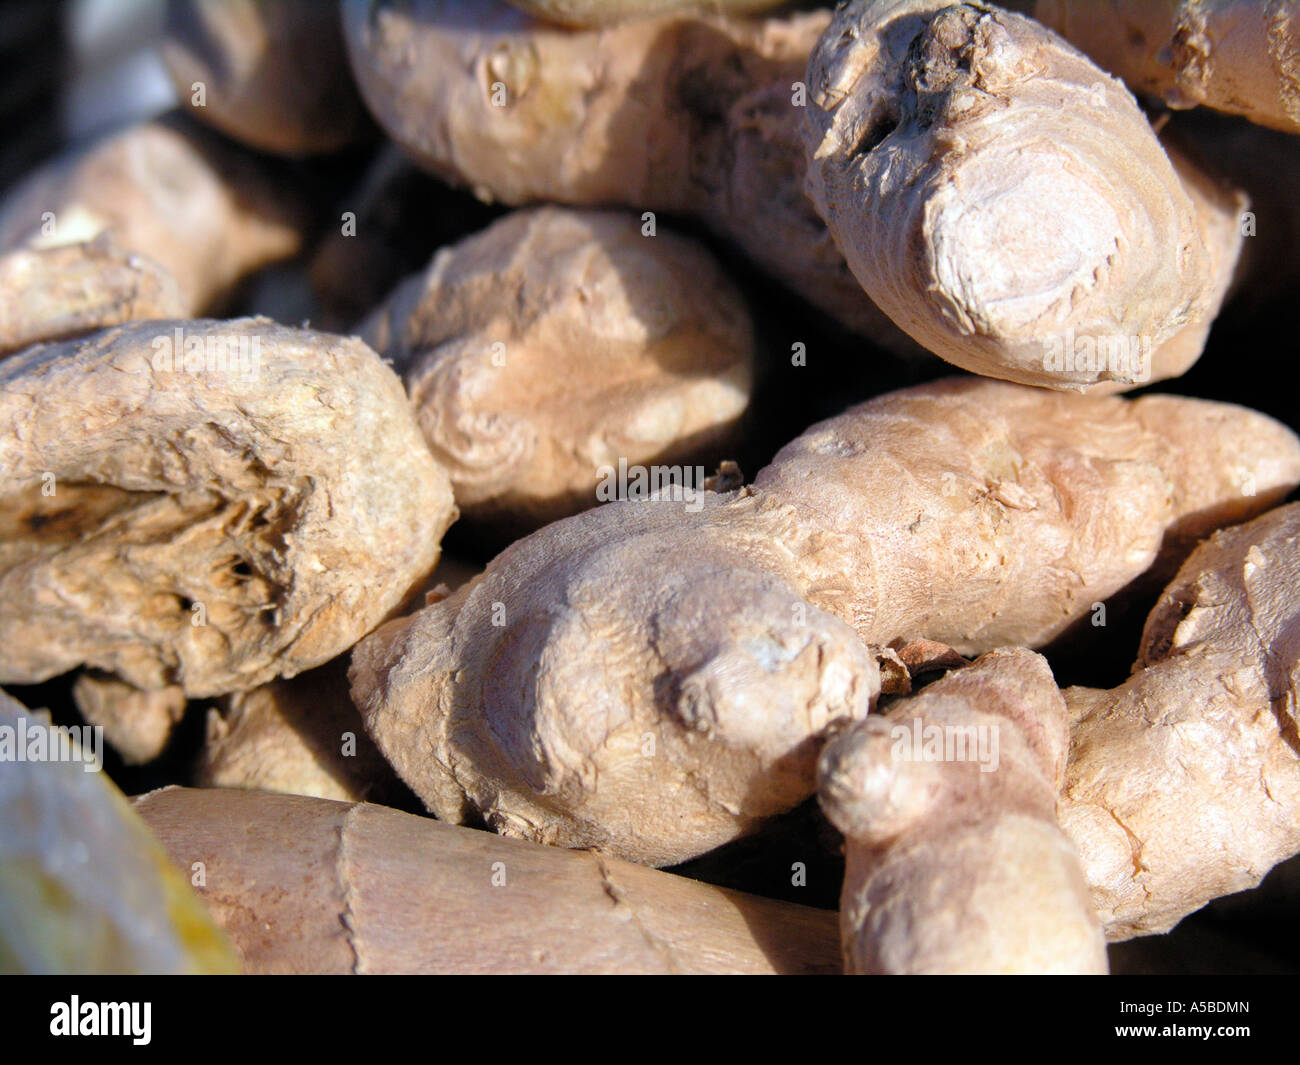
[304,885]
[970,511]
[558,342]
[641,680]
[173,193]
[269,70]
[1238,56]
[983,514]
[687,113]
[49,294]
[957,864]
[1018,197]
[1184,782]
[211,528]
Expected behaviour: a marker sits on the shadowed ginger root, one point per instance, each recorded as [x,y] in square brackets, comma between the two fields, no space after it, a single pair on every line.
[604,12]
[1184,782]
[956,862]
[653,679]
[267,73]
[1238,56]
[1220,208]
[309,886]
[300,736]
[402,215]
[137,722]
[186,503]
[557,343]
[997,195]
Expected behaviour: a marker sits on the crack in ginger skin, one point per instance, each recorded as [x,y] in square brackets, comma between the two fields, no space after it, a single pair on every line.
[1195,758]
[732,639]
[313,886]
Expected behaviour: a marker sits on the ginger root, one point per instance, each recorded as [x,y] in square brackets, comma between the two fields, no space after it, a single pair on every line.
[265,72]
[206,213]
[185,503]
[604,12]
[1183,783]
[137,723]
[309,886]
[557,343]
[686,113]
[702,115]
[300,736]
[956,862]
[653,679]
[62,292]
[1238,56]
[1001,198]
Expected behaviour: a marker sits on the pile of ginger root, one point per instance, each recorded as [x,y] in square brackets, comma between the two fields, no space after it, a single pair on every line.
[704,486]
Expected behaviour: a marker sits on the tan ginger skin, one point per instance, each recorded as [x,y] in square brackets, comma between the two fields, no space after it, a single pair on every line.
[267,71]
[56,293]
[137,722]
[1238,56]
[1183,783]
[297,736]
[212,529]
[701,115]
[604,12]
[556,343]
[309,886]
[687,114]
[987,238]
[956,863]
[169,192]
[657,718]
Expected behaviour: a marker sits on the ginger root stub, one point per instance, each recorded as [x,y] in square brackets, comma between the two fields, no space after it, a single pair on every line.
[956,861]
[999,196]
